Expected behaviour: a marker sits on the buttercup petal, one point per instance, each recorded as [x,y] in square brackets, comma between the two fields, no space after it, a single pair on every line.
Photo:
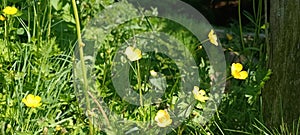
[2,18]
[213,37]
[10,10]
[163,118]
[133,54]
[236,67]
[202,92]
[243,75]
[199,95]
[235,74]
[32,101]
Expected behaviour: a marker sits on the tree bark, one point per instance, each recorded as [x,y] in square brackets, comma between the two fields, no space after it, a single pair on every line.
[281,96]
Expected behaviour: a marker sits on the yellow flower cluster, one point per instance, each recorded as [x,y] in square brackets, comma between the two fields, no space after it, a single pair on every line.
[32,101]
[200,95]
[10,10]
[163,118]
[237,73]
[133,54]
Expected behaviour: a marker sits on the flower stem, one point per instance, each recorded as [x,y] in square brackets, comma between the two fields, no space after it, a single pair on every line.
[100,108]
[85,82]
[139,83]
[34,21]
[202,42]
[240,25]
[29,117]
[6,38]
[5,30]
[229,78]
[49,21]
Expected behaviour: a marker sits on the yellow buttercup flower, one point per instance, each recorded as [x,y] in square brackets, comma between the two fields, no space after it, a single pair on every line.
[163,118]
[229,36]
[2,18]
[133,54]
[10,10]
[32,101]
[213,37]
[200,95]
[236,71]
[58,127]
[153,73]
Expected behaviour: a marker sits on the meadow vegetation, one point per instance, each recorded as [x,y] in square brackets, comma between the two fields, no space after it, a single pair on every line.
[42,87]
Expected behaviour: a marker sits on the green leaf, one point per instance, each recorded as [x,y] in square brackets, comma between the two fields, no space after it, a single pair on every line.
[159,83]
[56,4]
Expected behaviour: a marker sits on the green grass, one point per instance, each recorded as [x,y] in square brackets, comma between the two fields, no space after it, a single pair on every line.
[38,58]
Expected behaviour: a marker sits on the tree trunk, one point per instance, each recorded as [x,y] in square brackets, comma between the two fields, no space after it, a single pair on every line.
[281,96]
